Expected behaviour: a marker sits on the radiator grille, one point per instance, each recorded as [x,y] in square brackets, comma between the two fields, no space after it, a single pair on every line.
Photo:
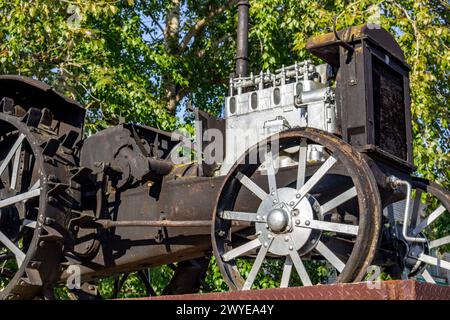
[389,110]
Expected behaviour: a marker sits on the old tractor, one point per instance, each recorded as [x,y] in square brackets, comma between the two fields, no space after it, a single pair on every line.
[312,170]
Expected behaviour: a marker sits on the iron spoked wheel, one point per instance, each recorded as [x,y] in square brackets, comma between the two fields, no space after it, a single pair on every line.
[297,217]
[430,219]
[30,236]
[21,192]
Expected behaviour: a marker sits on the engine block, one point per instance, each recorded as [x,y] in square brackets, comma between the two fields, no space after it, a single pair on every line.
[262,105]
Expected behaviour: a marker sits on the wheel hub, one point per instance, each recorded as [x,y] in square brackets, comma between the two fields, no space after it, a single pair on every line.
[282,221]
[278,220]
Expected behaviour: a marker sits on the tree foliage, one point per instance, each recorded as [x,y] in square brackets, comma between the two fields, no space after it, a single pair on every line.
[141,59]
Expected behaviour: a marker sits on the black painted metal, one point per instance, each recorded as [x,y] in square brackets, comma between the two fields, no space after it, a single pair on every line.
[372,92]
[242,57]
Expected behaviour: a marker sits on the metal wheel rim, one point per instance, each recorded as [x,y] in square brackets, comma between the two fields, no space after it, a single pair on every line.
[18,280]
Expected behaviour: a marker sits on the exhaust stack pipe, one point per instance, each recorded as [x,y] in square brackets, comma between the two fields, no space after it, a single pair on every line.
[242,59]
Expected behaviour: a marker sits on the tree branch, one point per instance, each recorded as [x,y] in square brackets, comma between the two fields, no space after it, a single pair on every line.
[413,22]
[202,23]
[156,23]
[172,28]
[149,31]
[214,45]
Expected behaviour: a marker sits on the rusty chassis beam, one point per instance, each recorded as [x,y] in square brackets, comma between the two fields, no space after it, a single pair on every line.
[108,224]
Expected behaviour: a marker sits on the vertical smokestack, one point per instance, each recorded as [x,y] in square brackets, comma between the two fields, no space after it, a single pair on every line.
[242,39]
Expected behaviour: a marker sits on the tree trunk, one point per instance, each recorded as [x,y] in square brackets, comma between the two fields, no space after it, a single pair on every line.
[175,46]
[171,40]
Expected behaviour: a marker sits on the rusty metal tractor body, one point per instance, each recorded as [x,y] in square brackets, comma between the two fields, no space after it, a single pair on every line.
[180,193]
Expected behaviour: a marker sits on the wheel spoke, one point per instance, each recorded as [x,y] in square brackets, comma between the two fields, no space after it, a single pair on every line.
[340,199]
[427,276]
[439,242]
[429,220]
[287,270]
[236,252]
[29,223]
[271,175]
[36,185]
[240,216]
[250,185]
[20,256]
[317,176]
[15,171]
[20,197]
[256,266]
[300,267]
[330,226]
[434,261]
[301,173]
[11,153]
[330,256]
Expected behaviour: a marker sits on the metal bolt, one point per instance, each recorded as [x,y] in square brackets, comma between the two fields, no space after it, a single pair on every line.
[313,240]
[266,244]
[275,201]
[52,201]
[295,212]
[307,222]
[258,217]
[291,248]
[297,222]
[273,193]
[41,244]
[298,196]
[286,238]
[291,203]
[269,236]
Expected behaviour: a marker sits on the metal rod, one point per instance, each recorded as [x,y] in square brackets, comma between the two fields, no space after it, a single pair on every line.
[242,39]
[107,224]
[395,183]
